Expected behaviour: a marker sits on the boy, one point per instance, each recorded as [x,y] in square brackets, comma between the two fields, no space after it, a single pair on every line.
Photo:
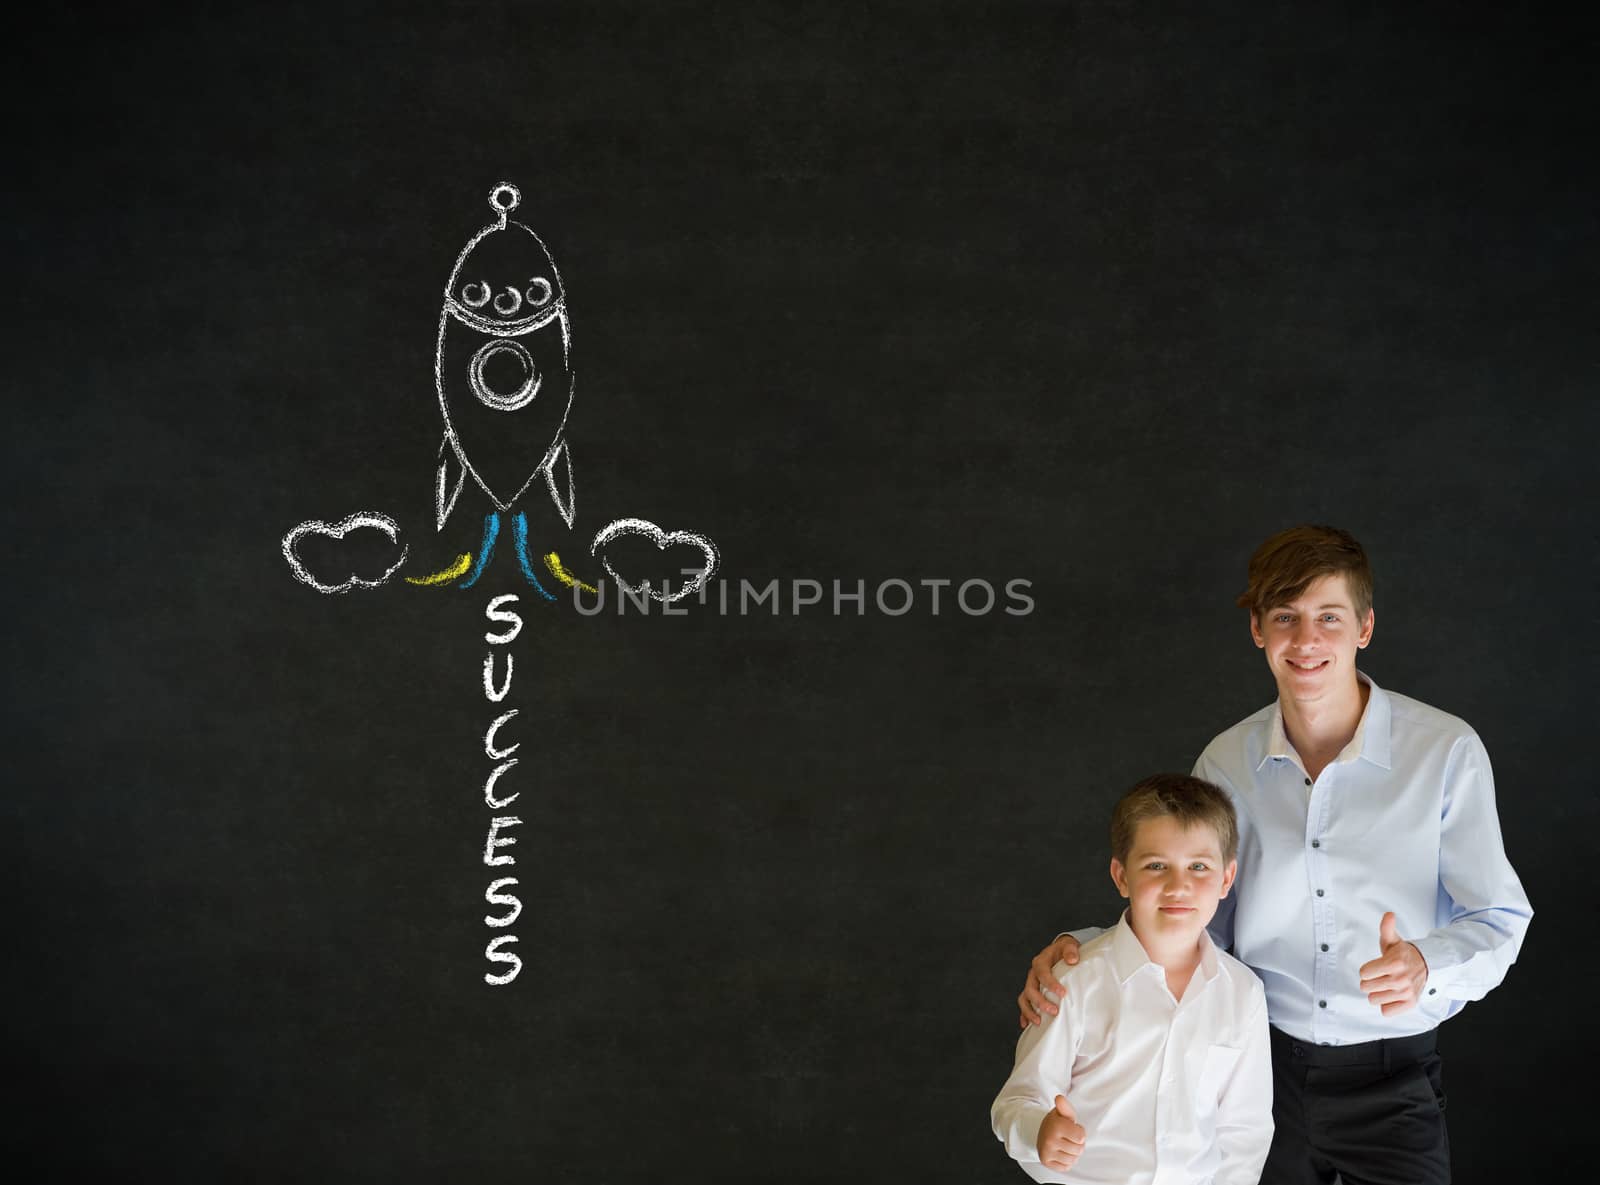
[1365,817]
[1157,1066]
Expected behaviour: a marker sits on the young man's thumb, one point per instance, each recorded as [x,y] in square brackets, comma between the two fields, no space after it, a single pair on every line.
[1065,1108]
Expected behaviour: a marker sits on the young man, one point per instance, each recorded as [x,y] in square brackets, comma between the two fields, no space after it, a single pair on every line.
[1157,1067]
[1374,895]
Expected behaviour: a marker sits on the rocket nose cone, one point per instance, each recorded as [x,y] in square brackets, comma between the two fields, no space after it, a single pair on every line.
[506,276]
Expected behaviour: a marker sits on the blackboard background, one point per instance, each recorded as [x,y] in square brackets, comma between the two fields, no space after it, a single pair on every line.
[1092,296]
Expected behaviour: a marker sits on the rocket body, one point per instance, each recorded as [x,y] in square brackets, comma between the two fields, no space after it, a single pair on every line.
[503,366]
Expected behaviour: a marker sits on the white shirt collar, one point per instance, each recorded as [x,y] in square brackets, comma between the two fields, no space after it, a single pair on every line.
[1128,956]
[1370,741]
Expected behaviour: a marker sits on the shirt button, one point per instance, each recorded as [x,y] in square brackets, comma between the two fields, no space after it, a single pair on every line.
[1316,843]
[1433,991]
[1324,946]
[1322,1003]
[1308,781]
[1319,893]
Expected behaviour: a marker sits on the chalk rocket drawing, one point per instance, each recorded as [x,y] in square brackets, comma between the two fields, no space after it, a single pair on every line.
[503,372]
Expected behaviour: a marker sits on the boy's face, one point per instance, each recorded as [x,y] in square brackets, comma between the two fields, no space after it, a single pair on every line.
[1173,879]
[1311,643]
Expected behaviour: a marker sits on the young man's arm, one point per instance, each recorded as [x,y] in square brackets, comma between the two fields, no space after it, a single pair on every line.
[1028,1103]
[1244,1108]
[1033,1005]
[1221,924]
[1489,912]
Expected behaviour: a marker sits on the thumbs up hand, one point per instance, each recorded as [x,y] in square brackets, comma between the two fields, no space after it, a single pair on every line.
[1393,981]
[1060,1136]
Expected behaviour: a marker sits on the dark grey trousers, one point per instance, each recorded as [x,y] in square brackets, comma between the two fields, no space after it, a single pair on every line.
[1369,1114]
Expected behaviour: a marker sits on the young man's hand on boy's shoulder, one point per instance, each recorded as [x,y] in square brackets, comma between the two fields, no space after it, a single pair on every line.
[1033,1003]
[1061,1136]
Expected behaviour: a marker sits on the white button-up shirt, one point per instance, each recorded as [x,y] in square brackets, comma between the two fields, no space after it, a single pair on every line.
[1403,820]
[1170,1092]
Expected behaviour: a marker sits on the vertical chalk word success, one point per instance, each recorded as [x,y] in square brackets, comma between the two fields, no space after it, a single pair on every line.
[500,894]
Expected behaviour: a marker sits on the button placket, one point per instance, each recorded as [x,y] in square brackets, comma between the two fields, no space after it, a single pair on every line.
[1170,1109]
[1164,1100]
[1322,961]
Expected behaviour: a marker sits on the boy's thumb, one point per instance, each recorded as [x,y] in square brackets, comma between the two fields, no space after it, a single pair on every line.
[1387,934]
[1065,1108]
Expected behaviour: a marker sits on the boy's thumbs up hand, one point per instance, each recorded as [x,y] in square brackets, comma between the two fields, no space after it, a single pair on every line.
[1060,1136]
[1388,935]
[1393,981]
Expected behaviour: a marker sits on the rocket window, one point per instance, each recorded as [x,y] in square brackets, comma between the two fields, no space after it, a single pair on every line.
[475,296]
[539,291]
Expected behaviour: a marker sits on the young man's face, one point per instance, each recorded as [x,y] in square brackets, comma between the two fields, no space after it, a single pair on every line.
[1311,642]
[1173,879]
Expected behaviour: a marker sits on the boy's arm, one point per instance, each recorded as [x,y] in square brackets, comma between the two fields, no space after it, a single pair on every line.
[1043,1070]
[1244,1108]
[1489,912]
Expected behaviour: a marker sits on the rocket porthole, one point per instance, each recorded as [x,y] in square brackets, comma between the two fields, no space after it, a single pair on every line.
[512,302]
[475,296]
[513,380]
[539,291]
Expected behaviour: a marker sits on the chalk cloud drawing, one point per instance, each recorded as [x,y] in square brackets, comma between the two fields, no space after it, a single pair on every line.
[504,378]
[338,530]
[662,540]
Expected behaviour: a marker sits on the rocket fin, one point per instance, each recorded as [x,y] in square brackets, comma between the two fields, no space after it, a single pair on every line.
[558,478]
[447,482]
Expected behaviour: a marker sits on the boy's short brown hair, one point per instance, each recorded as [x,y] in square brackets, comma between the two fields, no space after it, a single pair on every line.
[1288,563]
[1187,799]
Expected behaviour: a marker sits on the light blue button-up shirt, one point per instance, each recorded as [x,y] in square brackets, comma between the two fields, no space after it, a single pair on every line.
[1404,820]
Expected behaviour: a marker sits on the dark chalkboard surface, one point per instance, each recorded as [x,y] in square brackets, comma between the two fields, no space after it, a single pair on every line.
[1086,297]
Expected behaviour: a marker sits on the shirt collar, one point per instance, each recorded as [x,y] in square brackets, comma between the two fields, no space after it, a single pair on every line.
[1128,956]
[1371,739]
[1374,730]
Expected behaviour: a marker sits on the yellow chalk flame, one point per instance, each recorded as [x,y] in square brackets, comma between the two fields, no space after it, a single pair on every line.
[445,576]
[553,562]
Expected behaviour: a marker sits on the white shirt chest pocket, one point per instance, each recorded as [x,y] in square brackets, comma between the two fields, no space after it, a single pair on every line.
[1215,1069]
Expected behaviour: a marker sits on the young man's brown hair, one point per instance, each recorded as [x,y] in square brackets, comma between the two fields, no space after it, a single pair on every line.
[1187,799]
[1291,561]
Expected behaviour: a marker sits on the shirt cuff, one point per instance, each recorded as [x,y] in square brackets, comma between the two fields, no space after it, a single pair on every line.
[1022,1141]
[1436,952]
